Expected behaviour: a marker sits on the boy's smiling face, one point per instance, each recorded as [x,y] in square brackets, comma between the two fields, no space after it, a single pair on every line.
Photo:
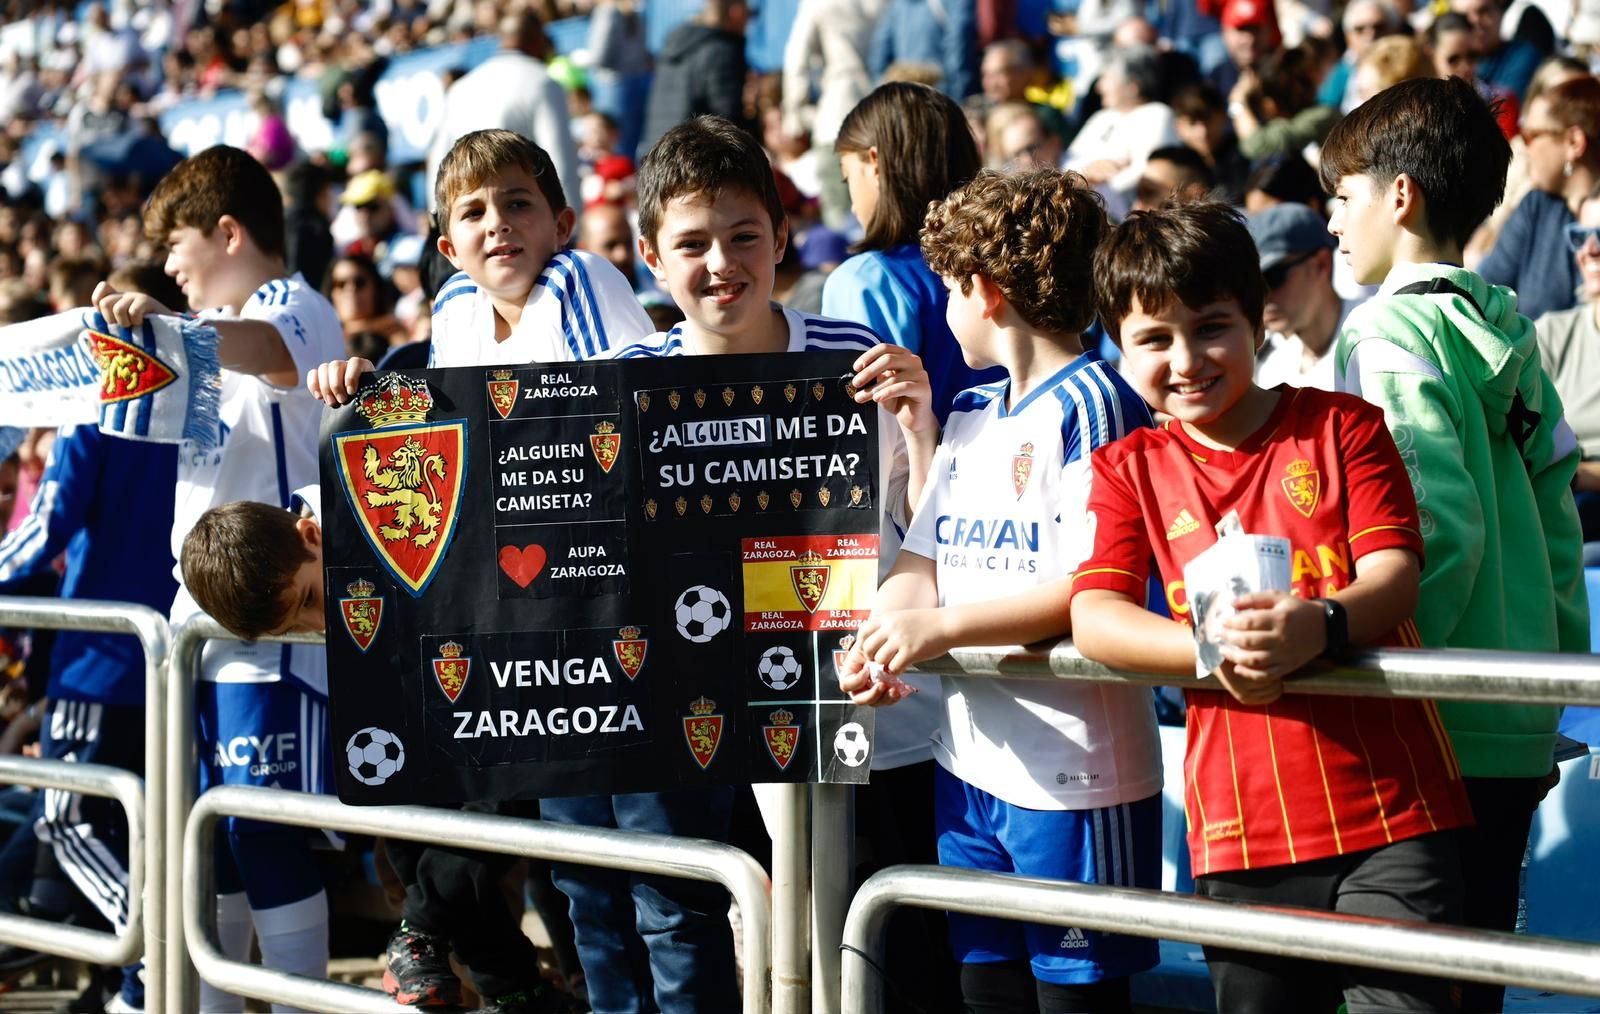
[1195,365]
[202,266]
[717,256]
[1364,221]
[503,233]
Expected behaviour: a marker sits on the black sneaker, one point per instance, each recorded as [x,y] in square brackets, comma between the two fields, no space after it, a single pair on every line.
[539,1000]
[419,973]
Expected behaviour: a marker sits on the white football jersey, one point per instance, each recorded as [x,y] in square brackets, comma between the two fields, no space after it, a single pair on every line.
[1004,510]
[580,307]
[267,450]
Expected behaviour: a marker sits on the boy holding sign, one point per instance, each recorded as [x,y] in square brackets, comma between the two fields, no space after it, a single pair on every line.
[1031,775]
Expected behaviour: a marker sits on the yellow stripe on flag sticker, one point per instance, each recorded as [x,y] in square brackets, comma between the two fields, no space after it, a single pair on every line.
[809,582]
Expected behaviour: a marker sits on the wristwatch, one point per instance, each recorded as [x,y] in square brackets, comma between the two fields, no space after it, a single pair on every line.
[1337,627]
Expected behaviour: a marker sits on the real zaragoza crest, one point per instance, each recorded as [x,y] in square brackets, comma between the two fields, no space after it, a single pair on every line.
[503,392]
[630,648]
[606,443]
[1303,486]
[451,670]
[809,575]
[781,737]
[403,478]
[702,730]
[362,612]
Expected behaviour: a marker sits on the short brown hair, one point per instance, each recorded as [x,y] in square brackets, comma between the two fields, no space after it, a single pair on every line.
[1033,234]
[480,156]
[1439,132]
[238,561]
[218,181]
[1576,103]
[705,155]
[1197,252]
[925,150]
[1396,58]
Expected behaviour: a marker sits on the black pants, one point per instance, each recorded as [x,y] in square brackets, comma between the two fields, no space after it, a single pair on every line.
[1491,864]
[894,825]
[1418,878]
[455,893]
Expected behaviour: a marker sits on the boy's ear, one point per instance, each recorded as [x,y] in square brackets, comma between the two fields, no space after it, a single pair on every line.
[1405,199]
[310,535]
[652,259]
[990,293]
[781,241]
[448,249]
[564,223]
[232,234]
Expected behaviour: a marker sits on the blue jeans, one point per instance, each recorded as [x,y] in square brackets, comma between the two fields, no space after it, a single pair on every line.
[650,943]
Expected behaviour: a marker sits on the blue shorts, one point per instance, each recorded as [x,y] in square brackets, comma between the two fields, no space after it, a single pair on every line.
[269,734]
[1114,845]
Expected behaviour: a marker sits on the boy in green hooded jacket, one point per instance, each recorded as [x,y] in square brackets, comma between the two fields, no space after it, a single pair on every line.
[1456,370]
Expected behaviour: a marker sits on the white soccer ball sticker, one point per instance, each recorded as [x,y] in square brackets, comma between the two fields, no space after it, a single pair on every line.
[374,755]
[702,613]
[778,668]
[850,744]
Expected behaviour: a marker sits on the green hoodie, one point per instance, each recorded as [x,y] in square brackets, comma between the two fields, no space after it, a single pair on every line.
[1503,546]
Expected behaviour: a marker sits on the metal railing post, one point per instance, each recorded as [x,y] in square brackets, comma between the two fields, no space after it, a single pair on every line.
[693,858]
[833,865]
[791,920]
[182,777]
[150,628]
[1544,963]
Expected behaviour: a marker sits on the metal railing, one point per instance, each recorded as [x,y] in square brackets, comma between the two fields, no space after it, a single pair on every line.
[775,972]
[1422,948]
[144,802]
[692,858]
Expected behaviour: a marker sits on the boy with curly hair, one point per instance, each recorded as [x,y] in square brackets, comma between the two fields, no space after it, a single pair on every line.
[1049,779]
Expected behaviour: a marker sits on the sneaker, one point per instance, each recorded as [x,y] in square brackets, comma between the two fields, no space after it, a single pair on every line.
[419,973]
[540,1000]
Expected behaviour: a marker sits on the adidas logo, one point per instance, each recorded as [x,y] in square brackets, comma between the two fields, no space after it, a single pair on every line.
[1073,939]
[1182,525]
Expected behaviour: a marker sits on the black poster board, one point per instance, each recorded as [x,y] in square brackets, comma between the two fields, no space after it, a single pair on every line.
[597,577]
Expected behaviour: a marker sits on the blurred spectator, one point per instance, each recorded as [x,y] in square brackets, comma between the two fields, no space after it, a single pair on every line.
[700,70]
[363,300]
[1509,63]
[1303,313]
[1200,118]
[620,65]
[604,230]
[1451,40]
[1365,22]
[937,32]
[271,144]
[1249,32]
[827,43]
[1560,132]
[512,90]
[1008,72]
[72,280]
[1569,348]
[308,234]
[1019,138]
[821,250]
[405,277]
[1175,69]
[1173,173]
[373,213]
[1388,62]
[1112,145]
[1276,111]
[1284,179]
[598,136]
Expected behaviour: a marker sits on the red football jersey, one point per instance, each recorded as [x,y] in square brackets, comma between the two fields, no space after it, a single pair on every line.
[1307,776]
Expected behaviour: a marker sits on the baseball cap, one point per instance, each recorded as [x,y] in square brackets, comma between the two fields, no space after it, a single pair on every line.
[1288,230]
[364,188]
[1245,14]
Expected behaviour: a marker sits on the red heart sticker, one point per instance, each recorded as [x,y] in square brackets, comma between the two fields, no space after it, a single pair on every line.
[522,565]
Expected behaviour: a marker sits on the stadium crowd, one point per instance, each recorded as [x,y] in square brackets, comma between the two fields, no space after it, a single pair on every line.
[1254,219]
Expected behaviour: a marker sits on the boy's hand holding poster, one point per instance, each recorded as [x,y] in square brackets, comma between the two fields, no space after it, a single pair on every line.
[597,577]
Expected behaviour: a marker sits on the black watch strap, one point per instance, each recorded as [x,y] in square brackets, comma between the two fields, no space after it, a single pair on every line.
[1337,628]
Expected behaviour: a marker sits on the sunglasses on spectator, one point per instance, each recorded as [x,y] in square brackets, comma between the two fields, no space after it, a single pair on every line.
[1580,236]
[1279,272]
[357,282]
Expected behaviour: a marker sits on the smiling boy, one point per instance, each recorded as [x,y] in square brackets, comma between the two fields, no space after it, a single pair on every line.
[1370,835]
[1456,370]
[220,216]
[518,296]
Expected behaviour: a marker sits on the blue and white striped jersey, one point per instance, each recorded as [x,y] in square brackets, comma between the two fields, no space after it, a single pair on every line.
[580,307]
[1005,510]
[808,332]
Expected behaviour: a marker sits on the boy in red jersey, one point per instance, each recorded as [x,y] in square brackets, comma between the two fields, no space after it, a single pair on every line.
[1338,803]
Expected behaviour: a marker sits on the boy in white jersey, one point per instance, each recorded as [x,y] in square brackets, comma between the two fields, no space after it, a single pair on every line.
[712,230]
[519,295]
[221,218]
[1057,780]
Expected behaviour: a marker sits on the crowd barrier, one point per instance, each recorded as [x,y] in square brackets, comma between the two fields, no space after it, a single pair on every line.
[144,804]
[789,964]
